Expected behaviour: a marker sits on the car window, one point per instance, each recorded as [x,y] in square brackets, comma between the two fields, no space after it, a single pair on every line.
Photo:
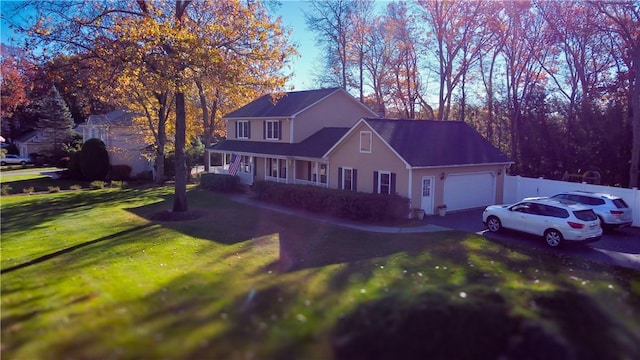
[548,210]
[560,196]
[522,207]
[585,215]
[590,200]
[619,203]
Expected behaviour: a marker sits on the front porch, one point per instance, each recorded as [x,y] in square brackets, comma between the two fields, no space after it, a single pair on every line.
[288,170]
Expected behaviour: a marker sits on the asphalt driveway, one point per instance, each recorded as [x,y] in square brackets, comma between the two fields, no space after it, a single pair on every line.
[619,247]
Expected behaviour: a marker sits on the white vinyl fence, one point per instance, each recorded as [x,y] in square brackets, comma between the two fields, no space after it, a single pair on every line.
[517,187]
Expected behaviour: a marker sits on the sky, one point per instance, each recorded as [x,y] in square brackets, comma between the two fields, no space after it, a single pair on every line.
[292,13]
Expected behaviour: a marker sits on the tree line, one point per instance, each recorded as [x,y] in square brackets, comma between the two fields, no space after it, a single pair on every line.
[555,84]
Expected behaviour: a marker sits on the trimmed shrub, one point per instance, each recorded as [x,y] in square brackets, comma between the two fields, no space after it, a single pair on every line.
[221,182]
[342,204]
[73,166]
[54,189]
[63,162]
[94,160]
[120,172]
[75,187]
[28,190]
[97,184]
[6,189]
[118,184]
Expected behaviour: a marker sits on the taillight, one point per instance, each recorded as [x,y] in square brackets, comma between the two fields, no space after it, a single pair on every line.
[616,212]
[575,225]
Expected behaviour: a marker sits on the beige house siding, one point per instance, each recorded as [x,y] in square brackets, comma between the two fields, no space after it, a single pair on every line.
[257,130]
[438,186]
[381,158]
[408,181]
[337,110]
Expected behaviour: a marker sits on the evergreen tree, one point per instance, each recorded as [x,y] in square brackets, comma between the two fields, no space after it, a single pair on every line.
[55,120]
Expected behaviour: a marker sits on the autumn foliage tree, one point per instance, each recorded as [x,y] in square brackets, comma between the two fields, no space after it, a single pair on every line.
[168,59]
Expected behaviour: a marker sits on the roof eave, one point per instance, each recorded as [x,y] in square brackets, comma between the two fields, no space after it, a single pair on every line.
[462,165]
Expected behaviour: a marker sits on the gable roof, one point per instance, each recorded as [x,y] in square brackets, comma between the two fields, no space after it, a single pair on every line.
[119,117]
[430,143]
[290,104]
[314,146]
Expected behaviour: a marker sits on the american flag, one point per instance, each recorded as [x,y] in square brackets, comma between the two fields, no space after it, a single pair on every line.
[234,165]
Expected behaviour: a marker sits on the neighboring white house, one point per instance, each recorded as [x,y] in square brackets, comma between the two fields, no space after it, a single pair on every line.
[125,140]
[33,141]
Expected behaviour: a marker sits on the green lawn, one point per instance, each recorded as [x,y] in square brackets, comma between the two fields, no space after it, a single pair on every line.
[87,275]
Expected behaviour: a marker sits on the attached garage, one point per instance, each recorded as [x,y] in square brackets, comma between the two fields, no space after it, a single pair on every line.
[468,191]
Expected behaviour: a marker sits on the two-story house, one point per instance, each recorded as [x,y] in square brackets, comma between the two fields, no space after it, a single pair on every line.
[125,140]
[328,138]
[284,138]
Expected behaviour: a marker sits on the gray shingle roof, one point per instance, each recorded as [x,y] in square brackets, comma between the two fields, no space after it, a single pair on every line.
[315,146]
[288,105]
[437,143]
[119,117]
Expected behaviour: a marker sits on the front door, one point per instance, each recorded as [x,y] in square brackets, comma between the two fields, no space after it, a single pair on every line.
[427,194]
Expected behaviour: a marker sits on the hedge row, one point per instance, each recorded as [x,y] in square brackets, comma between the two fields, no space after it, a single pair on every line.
[338,203]
[221,182]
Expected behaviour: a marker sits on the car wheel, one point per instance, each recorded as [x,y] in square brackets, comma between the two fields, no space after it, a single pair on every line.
[3,163]
[494,224]
[23,163]
[553,237]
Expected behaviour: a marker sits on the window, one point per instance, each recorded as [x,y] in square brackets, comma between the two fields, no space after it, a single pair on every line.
[272,129]
[365,141]
[384,182]
[348,179]
[272,167]
[242,129]
[426,187]
[246,164]
[323,173]
[283,168]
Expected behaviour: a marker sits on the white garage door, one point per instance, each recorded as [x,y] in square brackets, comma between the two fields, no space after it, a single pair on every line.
[467,191]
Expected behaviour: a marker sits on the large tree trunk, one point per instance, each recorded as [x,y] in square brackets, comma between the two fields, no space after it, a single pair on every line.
[180,190]
[635,106]
[180,199]
[205,122]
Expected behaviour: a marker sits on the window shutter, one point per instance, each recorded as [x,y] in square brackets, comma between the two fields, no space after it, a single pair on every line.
[237,124]
[375,182]
[393,183]
[354,178]
[340,186]
[249,129]
[309,171]
[279,129]
[264,129]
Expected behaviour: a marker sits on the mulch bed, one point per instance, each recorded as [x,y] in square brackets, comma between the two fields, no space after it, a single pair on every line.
[169,215]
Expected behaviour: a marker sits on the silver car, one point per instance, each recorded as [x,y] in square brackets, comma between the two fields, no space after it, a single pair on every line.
[612,210]
[14,160]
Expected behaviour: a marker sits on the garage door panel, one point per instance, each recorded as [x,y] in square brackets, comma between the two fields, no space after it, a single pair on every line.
[467,191]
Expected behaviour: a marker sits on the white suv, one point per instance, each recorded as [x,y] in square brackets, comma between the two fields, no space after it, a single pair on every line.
[612,210]
[552,219]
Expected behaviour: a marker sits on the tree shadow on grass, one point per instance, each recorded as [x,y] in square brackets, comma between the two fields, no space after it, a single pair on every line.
[70,249]
[23,216]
